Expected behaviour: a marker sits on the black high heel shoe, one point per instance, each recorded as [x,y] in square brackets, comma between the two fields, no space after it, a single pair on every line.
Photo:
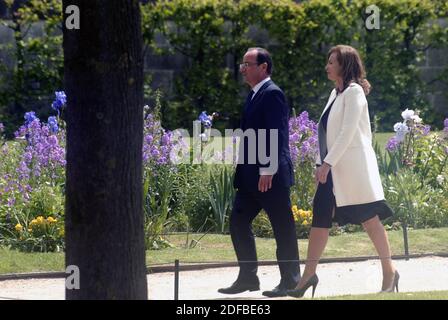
[300,292]
[394,285]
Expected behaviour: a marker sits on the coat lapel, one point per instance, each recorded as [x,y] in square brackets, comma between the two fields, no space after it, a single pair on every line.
[250,102]
[322,139]
[330,100]
[264,86]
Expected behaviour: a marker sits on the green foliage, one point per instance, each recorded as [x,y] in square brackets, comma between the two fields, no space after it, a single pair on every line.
[261,226]
[221,194]
[37,234]
[302,193]
[157,188]
[213,35]
[37,60]
[388,162]
[37,196]
[46,200]
[419,206]
[431,159]
[191,188]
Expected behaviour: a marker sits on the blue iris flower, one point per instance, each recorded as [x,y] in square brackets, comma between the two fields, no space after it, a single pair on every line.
[205,120]
[53,124]
[30,117]
[59,102]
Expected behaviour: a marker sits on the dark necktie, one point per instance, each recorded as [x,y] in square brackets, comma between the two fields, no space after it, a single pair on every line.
[248,99]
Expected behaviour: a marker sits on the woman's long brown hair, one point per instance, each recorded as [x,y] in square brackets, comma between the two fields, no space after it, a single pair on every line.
[352,68]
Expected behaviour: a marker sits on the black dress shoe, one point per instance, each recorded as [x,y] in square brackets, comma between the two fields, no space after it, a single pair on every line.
[238,287]
[278,291]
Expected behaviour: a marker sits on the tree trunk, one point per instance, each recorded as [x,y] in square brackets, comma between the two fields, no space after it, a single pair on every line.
[104,215]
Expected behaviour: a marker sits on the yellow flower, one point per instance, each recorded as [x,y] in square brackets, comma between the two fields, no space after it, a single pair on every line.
[40,219]
[294,208]
[305,223]
[30,230]
[18,227]
[51,220]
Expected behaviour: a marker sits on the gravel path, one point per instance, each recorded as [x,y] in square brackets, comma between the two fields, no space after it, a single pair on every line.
[421,274]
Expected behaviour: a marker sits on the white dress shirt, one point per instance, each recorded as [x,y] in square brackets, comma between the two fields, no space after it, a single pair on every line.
[258,86]
[255,89]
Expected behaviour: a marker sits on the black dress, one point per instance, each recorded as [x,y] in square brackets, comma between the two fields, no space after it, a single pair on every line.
[325,210]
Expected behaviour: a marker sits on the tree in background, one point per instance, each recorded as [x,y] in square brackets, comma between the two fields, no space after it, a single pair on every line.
[31,67]
[104,85]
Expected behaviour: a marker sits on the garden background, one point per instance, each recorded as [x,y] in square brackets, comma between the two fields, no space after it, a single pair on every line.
[200,43]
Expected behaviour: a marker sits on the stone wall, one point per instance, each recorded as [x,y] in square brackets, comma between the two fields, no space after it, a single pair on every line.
[164,69]
[436,60]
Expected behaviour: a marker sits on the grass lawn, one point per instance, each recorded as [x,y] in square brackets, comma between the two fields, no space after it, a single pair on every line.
[218,144]
[381,138]
[215,247]
[424,295]
[218,248]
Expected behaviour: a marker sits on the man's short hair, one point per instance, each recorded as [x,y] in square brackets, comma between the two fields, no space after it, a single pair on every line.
[263,56]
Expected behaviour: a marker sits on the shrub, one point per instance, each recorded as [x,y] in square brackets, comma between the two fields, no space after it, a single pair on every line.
[212,36]
[38,234]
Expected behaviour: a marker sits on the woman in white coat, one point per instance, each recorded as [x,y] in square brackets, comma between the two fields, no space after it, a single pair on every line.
[349,185]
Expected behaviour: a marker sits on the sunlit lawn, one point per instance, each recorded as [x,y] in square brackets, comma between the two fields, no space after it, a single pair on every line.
[218,248]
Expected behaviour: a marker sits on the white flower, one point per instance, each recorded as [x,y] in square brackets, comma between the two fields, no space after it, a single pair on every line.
[416,118]
[407,114]
[400,136]
[203,137]
[440,179]
[401,127]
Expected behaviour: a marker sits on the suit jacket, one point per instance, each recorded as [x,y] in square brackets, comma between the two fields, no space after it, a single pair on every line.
[267,110]
[348,139]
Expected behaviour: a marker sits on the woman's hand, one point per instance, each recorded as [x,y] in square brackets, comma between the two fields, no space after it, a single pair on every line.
[322,173]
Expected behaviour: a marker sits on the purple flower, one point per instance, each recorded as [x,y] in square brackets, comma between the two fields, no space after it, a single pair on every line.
[155,152]
[53,140]
[11,202]
[445,123]
[60,101]
[393,144]
[295,137]
[28,156]
[303,142]
[30,117]
[149,139]
[157,143]
[43,151]
[426,129]
[2,127]
[53,124]
[166,138]
[23,171]
[205,119]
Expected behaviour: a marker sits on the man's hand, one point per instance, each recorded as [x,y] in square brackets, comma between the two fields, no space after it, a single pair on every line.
[322,173]
[265,183]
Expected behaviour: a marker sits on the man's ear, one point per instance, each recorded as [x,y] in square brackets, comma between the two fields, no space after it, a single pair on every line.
[265,66]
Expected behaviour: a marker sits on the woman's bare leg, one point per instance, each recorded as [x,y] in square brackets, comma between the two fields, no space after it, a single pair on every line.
[378,235]
[316,245]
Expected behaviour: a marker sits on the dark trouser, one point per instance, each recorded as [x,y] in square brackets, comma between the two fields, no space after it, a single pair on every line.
[277,205]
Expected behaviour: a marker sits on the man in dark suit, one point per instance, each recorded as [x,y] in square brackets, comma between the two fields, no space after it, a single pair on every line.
[261,185]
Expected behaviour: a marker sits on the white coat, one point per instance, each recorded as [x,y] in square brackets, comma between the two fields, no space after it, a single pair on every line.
[354,167]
